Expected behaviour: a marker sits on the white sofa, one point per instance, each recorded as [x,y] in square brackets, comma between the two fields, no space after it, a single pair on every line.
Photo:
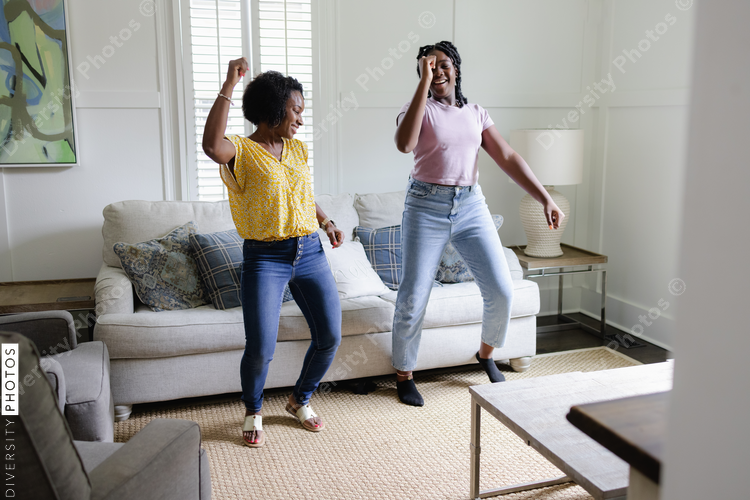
[159,356]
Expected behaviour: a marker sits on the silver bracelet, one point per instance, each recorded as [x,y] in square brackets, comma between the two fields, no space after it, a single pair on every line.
[227,98]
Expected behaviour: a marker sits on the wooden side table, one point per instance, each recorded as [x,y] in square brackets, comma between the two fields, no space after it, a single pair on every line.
[572,257]
[32,296]
[634,429]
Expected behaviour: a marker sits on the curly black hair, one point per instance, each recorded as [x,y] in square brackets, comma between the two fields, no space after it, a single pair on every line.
[265,97]
[451,51]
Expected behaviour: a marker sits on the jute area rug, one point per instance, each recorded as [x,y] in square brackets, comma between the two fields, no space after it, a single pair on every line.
[374,447]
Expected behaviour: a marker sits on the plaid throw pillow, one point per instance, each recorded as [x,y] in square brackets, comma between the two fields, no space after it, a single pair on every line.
[219,258]
[383,250]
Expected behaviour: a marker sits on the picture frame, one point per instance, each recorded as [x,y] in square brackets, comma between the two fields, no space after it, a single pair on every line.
[37,92]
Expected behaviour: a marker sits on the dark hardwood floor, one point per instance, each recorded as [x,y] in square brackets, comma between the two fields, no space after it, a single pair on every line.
[568,340]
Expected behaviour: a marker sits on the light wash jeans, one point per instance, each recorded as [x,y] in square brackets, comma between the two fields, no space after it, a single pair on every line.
[266,268]
[433,216]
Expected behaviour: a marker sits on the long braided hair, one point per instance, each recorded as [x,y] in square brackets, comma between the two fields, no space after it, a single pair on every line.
[451,51]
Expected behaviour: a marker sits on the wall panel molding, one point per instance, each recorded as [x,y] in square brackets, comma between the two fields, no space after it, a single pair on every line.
[118,99]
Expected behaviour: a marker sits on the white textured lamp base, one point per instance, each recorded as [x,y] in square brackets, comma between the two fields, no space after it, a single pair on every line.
[541,240]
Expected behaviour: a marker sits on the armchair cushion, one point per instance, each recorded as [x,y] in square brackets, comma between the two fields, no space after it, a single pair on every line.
[161,461]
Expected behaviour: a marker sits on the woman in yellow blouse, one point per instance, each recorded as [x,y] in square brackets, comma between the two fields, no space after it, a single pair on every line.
[272,205]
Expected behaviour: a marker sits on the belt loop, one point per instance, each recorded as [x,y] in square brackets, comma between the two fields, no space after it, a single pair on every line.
[434,188]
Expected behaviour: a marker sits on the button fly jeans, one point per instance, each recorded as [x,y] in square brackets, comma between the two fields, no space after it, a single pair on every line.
[267,267]
[433,216]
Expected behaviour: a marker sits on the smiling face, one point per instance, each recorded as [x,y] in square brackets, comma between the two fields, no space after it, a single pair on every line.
[443,76]
[295,105]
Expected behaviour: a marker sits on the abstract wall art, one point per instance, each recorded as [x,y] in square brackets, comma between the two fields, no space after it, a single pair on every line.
[36,93]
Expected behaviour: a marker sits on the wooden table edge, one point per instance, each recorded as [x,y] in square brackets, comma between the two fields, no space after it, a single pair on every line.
[629,451]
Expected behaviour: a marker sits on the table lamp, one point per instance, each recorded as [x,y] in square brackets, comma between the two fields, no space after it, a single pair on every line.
[556,158]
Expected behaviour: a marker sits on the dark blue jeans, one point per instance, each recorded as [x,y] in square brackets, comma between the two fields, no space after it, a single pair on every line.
[267,267]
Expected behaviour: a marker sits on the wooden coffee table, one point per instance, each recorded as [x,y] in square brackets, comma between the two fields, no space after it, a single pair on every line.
[535,410]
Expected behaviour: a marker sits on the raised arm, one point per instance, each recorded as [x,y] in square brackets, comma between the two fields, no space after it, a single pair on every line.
[214,145]
[407,133]
[518,170]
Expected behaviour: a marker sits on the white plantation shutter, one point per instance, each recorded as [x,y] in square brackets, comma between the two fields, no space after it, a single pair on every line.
[282,41]
[285,45]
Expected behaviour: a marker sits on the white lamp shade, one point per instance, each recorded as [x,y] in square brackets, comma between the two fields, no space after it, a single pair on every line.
[555,156]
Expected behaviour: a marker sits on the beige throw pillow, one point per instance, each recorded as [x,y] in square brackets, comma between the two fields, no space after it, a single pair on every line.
[352,271]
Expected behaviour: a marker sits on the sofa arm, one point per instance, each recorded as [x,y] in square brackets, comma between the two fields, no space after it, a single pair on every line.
[51,331]
[113,291]
[161,461]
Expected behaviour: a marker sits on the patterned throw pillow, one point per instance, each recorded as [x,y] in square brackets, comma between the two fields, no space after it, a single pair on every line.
[453,268]
[219,258]
[383,250]
[163,271]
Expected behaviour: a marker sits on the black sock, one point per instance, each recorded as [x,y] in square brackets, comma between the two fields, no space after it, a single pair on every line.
[408,393]
[491,368]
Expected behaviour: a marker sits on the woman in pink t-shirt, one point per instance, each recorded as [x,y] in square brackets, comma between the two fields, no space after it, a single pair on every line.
[445,204]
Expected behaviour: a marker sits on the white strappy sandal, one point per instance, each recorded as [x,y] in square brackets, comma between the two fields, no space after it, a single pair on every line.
[304,413]
[254,423]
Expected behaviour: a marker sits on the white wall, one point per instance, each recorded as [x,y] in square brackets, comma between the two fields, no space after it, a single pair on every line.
[529,62]
[639,154]
[708,443]
[54,214]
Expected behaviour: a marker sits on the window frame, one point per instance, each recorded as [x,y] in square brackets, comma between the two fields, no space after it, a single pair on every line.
[188,172]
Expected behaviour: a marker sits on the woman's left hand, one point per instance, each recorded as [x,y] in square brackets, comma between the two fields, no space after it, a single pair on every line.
[336,235]
[553,214]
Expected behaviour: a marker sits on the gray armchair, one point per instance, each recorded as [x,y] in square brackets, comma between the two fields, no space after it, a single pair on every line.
[79,373]
[164,460]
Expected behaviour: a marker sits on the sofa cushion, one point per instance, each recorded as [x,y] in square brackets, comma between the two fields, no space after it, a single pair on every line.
[340,208]
[148,334]
[380,209]
[358,316]
[453,268]
[219,259]
[352,271]
[383,249]
[461,303]
[163,271]
[137,220]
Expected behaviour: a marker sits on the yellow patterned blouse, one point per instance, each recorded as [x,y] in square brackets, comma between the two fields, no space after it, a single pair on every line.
[270,200]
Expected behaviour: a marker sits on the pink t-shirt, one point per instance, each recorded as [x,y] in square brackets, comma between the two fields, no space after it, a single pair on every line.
[449,143]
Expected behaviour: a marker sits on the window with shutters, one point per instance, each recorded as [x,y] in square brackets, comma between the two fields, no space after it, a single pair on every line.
[272,35]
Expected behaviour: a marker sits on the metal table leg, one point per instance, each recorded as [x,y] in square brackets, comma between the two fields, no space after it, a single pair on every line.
[476,413]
